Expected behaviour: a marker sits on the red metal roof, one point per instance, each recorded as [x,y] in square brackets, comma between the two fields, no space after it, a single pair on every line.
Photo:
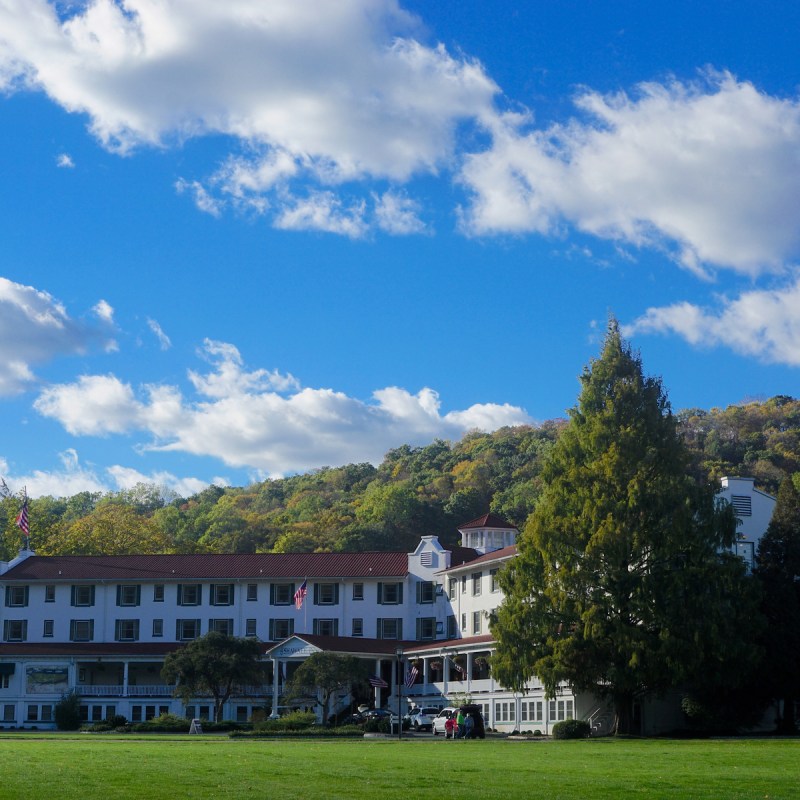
[494,555]
[349,644]
[376,564]
[450,644]
[487,521]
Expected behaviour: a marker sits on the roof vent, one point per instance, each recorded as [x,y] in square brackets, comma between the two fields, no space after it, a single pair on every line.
[742,505]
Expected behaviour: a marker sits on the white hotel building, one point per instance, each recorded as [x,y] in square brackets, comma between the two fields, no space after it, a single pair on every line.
[102,625]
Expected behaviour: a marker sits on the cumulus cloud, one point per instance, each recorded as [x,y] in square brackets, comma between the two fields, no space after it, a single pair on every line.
[35,328]
[332,91]
[709,170]
[760,323]
[398,214]
[261,419]
[73,477]
[64,161]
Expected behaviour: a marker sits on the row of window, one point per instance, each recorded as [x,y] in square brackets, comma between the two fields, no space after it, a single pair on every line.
[128,630]
[222,594]
[477,624]
[475,580]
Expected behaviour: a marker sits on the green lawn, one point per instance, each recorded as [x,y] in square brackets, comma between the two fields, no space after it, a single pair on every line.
[68,767]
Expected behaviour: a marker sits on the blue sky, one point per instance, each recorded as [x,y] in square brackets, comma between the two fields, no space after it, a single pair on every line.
[248,239]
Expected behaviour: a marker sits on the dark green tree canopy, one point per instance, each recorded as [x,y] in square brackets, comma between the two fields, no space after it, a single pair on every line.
[621,552]
[214,664]
[324,674]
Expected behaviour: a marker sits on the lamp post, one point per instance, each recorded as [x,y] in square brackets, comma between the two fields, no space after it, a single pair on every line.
[399,653]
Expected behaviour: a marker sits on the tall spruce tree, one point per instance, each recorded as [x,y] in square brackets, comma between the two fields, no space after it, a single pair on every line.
[621,585]
[779,571]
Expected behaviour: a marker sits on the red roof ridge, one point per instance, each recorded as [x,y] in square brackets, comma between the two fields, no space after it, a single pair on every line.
[488,521]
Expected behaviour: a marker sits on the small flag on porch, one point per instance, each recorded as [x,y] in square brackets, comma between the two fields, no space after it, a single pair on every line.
[300,595]
[378,682]
[459,669]
[411,676]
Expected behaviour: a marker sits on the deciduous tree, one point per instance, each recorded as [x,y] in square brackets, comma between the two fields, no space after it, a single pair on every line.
[214,664]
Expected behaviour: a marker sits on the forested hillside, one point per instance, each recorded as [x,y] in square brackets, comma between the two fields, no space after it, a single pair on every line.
[416,490]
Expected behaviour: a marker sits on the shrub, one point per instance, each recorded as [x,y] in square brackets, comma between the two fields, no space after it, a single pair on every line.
[67,712]
[118,721]
[572,729]
[294,721]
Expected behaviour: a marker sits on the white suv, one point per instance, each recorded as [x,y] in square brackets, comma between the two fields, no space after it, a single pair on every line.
[440,720]
[422,718]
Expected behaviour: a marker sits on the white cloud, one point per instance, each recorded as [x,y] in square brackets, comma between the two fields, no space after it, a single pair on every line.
[710,170]
[330,91]
[64,161]
[263,420]
[163,340]
[74,477]
[323,211]
[398,214]
[34,329]
[202,198]
[760,323]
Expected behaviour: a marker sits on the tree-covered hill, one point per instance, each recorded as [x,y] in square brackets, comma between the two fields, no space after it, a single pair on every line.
[414,491]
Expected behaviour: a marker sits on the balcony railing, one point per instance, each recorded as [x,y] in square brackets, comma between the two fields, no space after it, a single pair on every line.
[159,690]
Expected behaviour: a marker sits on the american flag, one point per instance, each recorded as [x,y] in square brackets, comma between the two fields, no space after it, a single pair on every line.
[459,669]
[411,676]
[22,518]
[300,594]
[378,682]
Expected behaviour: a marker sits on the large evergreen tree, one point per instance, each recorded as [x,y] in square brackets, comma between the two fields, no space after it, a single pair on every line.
[779,571]
[620,586]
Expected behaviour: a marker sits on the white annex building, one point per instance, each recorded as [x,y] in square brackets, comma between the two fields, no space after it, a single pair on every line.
[102,625]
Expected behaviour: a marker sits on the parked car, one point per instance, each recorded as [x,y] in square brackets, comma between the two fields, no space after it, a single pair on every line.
[421,718]
[474,712]
[378,714]
[439,721]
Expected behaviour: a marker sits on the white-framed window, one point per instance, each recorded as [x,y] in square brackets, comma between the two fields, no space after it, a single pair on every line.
[81,630]
[426,628]
[452,588]
[476,621]
[252,592]
[9,712]
[463,584]
[187,629]
[16,596]
[221,594]
[476,583]
[505,711]
[326,594]
[452,627]
[129,595]
[82,595]
[5,681]
[464,622]
[390,628]
[250,627]
[158,593]
[15,630]
[495,583]
[530,711]
[32,714]
[223,626]
[280,629]
[425,592]
[281,594]
[326,627]
[158,628]
[358,591]
[390,594]
[358,627]
[47,629]
[190,594]
[50,593]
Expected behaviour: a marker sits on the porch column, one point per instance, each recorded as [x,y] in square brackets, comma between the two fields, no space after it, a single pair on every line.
[377,690]
[425,664]
[275,688]
[469,671]
[124,678]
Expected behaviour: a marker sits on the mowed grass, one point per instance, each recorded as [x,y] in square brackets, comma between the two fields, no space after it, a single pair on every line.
[67,767]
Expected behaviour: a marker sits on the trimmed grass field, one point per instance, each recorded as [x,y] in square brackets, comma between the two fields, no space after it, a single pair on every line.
[68,767]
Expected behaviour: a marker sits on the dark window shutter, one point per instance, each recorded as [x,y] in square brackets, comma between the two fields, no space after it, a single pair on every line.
[399,627]
[336,627]
[8,595]
[336,595]
[419,627]
[316,594]
[400,595]
[419,595]
[271,601]
[180,593]
[199,594]
[138,597]
[316,627]
[380,593]
[119,595]
[26,595]
[271,629]
[72,600]
[212,594]
[116,624]
[91,602]
[5,626]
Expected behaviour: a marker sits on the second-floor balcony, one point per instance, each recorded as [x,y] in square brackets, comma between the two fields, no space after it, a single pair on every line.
[159,690]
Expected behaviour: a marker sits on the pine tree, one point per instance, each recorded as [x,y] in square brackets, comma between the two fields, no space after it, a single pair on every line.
[779,571]
[621,586]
